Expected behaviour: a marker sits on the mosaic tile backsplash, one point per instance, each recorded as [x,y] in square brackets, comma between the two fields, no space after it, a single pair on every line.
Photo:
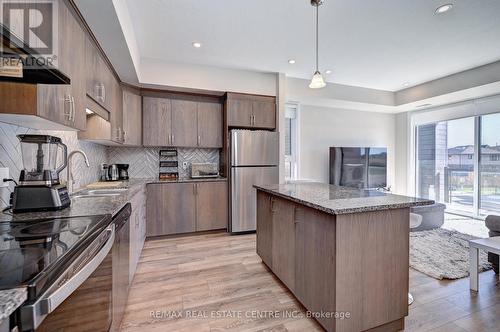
[10,156]
[144,162]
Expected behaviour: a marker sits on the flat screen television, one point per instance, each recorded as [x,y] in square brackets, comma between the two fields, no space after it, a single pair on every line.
[358,167]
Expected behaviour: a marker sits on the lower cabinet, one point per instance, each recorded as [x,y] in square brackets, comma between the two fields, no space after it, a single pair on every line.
[137,231]
[211,206]
[283,244]
[175,208]
[298,245]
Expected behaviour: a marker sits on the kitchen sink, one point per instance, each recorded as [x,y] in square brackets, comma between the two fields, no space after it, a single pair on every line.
[105,191]
[99,193]
[93,196]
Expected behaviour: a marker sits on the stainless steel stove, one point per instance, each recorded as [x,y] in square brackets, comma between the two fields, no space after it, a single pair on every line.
[51,258]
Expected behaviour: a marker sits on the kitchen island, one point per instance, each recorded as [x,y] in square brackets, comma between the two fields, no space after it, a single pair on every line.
[343,252]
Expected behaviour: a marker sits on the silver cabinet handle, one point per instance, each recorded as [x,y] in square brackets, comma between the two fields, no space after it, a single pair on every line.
[51,302]
[199,140]
[123,135]
[73,110]
[173,138]
[103,93]
[99,92]
[67,100]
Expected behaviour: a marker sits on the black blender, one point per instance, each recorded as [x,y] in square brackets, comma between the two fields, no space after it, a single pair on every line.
[39,188]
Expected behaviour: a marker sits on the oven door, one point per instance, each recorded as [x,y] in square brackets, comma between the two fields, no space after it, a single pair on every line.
[81,299]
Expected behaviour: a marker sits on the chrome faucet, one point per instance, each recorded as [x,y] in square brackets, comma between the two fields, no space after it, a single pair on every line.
[71,181]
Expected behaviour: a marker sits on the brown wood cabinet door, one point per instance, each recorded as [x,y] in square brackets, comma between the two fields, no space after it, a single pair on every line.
[265,228]
[157,121]
[315,259]
[116,115]
[170,209]
[264,114]
[73,58]
[239,112]
[184,123]
[132,118]
[64,104]
[209,125]
[99,77]
[283,245]
[211,206]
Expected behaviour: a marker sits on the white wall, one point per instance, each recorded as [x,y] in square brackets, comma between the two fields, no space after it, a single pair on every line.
[403,157]
[159,72]
[321,128]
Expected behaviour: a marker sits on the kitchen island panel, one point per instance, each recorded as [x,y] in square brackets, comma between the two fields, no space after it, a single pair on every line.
[372,252]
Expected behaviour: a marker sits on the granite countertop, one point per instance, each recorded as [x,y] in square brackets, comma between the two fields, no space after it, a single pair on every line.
[99,205]
[182,180]
[10,300]
[341,200]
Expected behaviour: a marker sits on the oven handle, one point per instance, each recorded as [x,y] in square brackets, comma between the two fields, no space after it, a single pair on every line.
[50,303]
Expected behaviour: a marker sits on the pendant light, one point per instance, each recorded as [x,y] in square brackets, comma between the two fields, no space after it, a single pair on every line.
[317,81]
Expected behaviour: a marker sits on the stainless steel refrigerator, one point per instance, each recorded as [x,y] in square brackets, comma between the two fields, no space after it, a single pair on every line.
[254,160]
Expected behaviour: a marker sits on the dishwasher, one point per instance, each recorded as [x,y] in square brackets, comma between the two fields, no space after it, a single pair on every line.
[121,257]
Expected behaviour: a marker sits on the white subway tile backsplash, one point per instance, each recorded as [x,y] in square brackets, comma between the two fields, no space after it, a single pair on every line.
[10,156]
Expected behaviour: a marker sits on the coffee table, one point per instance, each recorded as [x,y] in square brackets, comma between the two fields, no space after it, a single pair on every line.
[491,244]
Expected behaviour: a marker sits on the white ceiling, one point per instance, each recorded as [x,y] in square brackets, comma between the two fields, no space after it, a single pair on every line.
[375,44]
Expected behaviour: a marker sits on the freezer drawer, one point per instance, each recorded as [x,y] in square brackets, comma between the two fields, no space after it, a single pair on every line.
[254,148]
[244,196]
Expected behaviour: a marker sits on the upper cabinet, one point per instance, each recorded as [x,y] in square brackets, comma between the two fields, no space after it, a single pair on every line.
[104,97]
[132,117]
[209,125]
[156,121]
[250,111]
[52,106]
[182,123]
[100,81]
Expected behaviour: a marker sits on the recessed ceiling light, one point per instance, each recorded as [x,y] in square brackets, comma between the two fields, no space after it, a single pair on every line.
[328,71]
[88,111]
[291,61]
[196,44]
[444,8]
[405,84]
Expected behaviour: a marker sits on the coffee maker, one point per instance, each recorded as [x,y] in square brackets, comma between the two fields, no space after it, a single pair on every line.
[39,188]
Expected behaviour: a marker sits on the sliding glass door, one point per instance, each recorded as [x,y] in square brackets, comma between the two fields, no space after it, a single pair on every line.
[458,164]
[489,164]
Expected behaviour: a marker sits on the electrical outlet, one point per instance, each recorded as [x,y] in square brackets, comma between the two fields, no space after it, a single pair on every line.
[4,174]
[184,165]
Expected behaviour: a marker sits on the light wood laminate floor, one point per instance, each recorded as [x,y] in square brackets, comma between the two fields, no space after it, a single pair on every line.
[218,274]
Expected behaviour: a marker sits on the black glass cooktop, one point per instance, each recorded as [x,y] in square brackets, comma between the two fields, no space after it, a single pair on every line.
[31,252]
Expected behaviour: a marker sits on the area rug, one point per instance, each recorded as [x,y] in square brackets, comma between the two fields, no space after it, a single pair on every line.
[443,254]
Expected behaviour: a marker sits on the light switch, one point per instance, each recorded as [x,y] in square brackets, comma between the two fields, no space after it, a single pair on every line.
[4,174]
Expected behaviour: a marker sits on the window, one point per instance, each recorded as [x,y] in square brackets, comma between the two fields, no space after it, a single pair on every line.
[458,163]
[291,113]
[445,164]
